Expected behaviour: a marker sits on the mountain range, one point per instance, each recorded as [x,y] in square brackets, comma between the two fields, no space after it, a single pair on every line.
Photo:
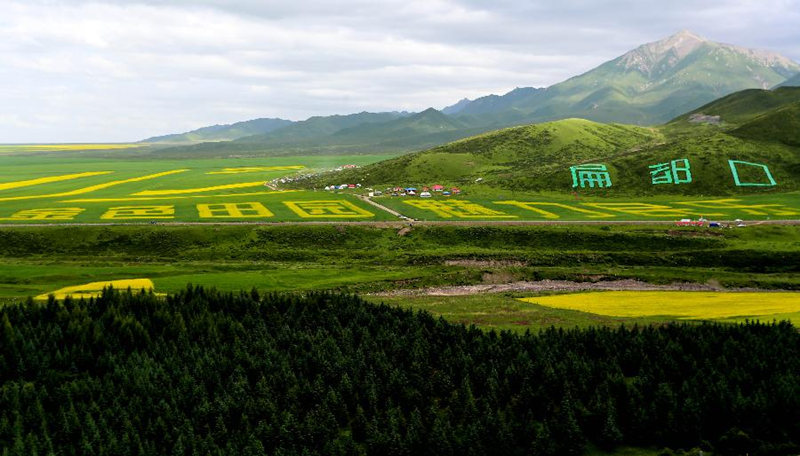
[646,86]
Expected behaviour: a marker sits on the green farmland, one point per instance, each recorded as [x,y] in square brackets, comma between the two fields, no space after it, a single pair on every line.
[65,187]
[490,204]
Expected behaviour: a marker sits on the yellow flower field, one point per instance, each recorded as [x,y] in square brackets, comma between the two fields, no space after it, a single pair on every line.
[200,189]
[93,188]
[49,179]
[64,147]
[256,169]
[689,305]
[94,289]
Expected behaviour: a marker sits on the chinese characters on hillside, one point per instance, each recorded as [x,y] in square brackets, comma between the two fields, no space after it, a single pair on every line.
[675,172]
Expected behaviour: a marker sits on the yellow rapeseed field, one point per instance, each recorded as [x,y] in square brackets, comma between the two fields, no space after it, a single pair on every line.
[64,147]
[93,188]
[94,289]
[678,304]
[256,169]
[49,179]
[200,189]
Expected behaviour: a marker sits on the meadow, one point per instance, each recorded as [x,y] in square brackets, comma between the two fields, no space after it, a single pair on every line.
[379,261]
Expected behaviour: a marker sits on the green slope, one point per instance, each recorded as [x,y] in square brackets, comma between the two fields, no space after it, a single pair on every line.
[743,106]
[794,81]
[223,132]
[364,133]
[781,125]
[508,157]
[320,127]
[538,157]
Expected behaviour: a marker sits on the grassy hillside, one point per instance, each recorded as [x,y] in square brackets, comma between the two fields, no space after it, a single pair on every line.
[754,126]
[364,133]
[743,106]
[794,81]
[223,132]
[781,125]
[506,154]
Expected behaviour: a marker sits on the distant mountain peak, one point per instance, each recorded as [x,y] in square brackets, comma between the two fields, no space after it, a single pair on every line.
[651,57]
[658,57]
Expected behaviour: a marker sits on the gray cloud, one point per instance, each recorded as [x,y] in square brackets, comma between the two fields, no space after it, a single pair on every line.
[122,70]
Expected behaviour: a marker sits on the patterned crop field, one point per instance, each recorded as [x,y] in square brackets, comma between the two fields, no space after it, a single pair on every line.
[170,191]
[69,188]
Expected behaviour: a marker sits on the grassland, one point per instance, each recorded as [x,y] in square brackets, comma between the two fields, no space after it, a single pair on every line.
[40,260]
[755,127]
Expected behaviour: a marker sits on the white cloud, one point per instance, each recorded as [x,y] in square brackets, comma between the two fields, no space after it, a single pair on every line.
[123,70]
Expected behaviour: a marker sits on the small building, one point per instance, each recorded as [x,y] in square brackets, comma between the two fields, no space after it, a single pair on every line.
[456,191]
[438,188]
[425,195]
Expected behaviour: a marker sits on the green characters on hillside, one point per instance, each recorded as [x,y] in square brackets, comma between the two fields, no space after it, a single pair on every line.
[590,175]
[674,172]
[738,167]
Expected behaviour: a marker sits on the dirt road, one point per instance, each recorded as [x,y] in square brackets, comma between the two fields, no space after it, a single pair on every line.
[556,285]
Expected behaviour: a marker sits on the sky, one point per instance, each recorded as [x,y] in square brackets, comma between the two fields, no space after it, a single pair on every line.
[119,70]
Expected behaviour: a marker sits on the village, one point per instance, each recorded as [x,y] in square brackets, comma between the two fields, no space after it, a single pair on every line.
[424,191]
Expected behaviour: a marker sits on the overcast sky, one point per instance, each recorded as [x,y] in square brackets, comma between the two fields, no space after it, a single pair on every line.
[74,70]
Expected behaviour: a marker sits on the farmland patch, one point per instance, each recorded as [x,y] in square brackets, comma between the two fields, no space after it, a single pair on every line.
[690,305]
[94,289]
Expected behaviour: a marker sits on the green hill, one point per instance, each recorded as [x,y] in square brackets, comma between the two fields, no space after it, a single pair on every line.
[354,134]
[509,156]
[539,157]
[781,125]
[794,81]
[746,105]
[319,127]
[223,132]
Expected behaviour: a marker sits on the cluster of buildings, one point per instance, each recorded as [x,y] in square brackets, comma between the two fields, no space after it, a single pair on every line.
[423,192]
[303,176]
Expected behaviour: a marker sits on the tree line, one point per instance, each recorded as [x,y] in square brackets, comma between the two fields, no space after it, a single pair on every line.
[208,373]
